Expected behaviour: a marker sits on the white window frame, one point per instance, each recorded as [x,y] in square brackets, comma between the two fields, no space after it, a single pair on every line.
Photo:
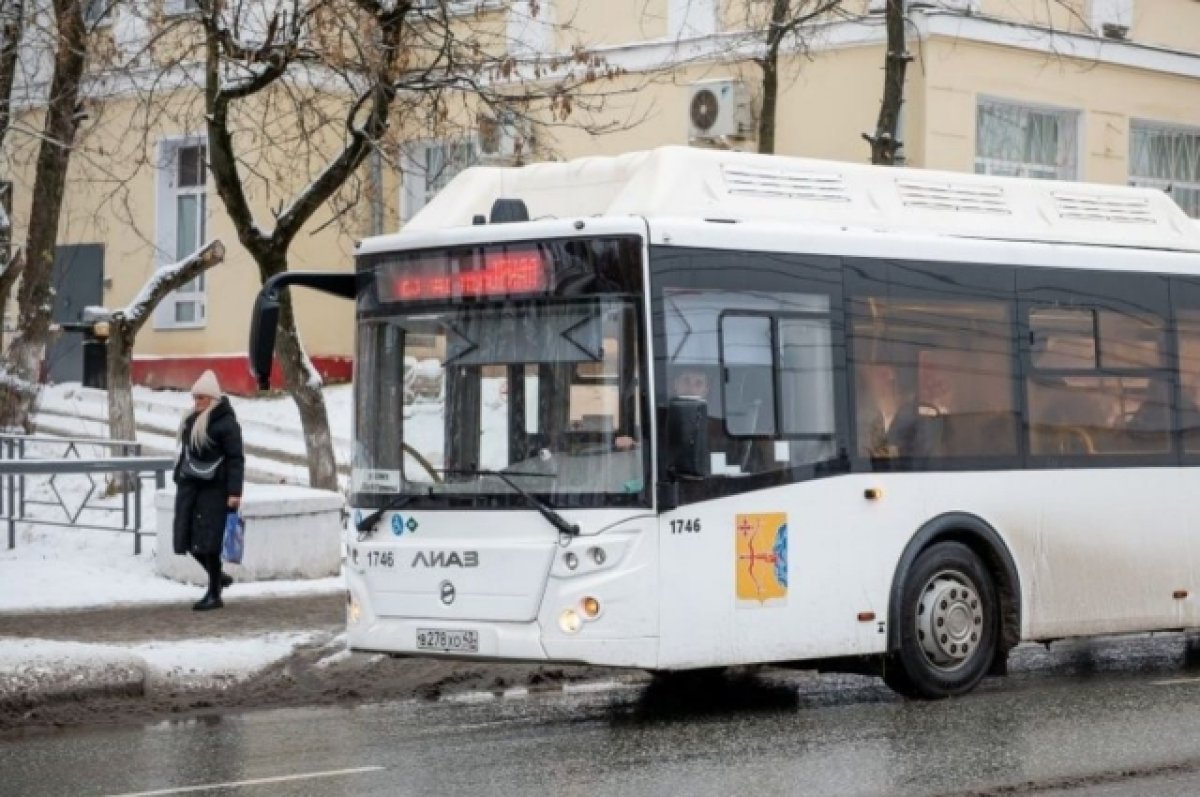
[999,166]
[415,188]
[167,228]
[1164,183]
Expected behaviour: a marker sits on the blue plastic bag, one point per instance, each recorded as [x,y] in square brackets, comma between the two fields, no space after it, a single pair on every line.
[234,544]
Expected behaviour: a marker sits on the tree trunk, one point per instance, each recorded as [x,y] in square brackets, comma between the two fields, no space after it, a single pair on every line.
[23,360]
[12,13]
[303,386]
[121,421]
[766,120]
[781,10]
[12,270]
[886,144]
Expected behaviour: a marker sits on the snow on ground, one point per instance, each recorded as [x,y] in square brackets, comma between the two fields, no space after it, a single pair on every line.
[54,567]
[60,568]
[43,665]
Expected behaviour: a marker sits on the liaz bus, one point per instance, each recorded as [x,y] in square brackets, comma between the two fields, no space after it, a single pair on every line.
[688,409]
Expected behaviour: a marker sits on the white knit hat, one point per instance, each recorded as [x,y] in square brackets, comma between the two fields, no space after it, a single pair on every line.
[207,385]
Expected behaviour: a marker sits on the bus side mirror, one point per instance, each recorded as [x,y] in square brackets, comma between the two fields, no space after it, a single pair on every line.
[262,336]
[687,431]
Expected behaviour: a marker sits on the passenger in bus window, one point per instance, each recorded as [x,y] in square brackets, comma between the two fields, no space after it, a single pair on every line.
[889,424]
[1189,415]
[687,382]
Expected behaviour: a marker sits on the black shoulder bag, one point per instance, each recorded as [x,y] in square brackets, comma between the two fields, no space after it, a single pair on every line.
[198,469]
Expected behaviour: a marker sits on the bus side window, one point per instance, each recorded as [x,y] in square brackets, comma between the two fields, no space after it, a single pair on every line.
[1188,415]
[933,378]
[1099,384]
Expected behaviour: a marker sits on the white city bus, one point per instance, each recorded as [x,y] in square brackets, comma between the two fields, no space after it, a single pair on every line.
[687,409]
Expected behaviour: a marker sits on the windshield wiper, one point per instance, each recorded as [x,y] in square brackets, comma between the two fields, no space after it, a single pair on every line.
[555,519]
[367,524]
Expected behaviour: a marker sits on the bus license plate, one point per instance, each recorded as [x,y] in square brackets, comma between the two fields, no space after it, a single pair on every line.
[447,641]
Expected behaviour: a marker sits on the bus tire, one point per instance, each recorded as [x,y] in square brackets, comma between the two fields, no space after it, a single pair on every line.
[949,625]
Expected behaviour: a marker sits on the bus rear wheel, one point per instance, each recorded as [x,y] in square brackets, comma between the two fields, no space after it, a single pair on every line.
[948,625]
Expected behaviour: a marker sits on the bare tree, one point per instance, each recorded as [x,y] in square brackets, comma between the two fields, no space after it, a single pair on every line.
[311,89]
[21,363]
[786,21]
[124,325]
[886,143]
[12,14]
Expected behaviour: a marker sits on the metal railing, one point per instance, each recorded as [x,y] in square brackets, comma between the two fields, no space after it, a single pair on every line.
[16,465]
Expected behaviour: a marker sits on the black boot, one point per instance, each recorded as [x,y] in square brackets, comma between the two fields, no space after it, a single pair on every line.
[210,601]
[226,580]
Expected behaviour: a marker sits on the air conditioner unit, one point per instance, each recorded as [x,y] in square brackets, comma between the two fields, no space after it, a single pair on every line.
[503,140]
[719,109]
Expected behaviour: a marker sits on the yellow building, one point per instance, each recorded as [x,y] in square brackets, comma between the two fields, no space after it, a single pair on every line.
[1093,90]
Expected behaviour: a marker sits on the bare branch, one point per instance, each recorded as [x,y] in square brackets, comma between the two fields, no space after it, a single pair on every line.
[165,280]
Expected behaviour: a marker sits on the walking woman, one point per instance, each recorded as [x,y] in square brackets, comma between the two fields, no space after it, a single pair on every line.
[208,475]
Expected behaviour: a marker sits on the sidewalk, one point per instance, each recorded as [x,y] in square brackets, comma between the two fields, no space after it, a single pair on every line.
[80,655]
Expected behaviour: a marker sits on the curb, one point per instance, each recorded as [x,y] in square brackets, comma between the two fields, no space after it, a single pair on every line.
[66,671]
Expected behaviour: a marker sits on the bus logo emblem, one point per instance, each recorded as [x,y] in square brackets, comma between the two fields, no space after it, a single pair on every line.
[448,593]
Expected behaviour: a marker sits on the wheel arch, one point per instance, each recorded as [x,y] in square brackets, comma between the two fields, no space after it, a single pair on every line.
[978,535]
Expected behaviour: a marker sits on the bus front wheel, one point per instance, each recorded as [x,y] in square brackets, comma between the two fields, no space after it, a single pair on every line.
[948,625]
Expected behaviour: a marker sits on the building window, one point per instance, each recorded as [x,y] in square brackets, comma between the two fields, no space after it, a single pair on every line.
[429,166]
[1018,141]
[183,228]
[1167,157]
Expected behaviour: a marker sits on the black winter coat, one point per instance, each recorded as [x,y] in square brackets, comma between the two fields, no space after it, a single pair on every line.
[200,506]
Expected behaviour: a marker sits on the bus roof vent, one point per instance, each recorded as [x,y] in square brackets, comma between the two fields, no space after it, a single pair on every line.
[1098,207]
[786,183]
[956,197]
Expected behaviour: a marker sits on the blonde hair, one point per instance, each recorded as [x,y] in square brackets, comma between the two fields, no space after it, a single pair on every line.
[199,437]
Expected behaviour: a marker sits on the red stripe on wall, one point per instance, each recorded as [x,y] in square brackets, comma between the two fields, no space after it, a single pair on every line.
[233,372]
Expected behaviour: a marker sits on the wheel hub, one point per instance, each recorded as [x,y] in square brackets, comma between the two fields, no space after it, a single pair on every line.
[949,620]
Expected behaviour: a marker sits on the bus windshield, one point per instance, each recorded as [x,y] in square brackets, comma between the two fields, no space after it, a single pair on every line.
[542,389]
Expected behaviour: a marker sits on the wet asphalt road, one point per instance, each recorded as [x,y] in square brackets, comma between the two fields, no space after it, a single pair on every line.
[1118,717]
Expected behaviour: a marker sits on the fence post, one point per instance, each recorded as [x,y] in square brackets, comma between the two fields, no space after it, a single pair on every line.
[12,506]
[21,479]
[137,514]
[12,520]
[125,492]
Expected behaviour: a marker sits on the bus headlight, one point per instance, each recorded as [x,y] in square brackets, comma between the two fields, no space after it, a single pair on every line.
[590,607]
[353,609]
[570,560]
[569,621]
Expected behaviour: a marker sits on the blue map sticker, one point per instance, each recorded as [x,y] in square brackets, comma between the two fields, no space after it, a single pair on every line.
[780,551]
[397,525]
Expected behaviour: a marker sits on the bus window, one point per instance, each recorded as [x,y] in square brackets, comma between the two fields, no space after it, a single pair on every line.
[764,365]
[747,359]
[933,378]
[1188,323]
[1098,384]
